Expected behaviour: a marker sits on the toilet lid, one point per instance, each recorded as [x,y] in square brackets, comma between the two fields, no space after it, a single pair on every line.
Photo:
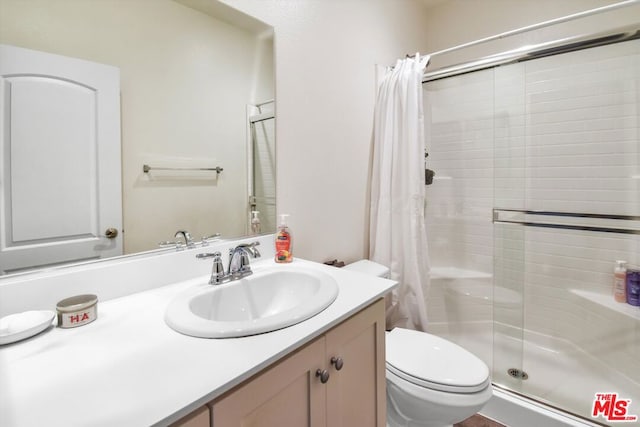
[432,362]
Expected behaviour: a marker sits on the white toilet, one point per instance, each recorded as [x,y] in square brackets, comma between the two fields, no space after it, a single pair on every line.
[431,382]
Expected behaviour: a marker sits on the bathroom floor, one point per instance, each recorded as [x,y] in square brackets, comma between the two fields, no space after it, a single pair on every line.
[478,421]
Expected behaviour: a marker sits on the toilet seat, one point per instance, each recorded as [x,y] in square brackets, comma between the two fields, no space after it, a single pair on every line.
[435,363]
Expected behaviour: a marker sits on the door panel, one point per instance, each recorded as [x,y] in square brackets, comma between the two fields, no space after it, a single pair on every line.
[43,175]
[356,391]
[60,185]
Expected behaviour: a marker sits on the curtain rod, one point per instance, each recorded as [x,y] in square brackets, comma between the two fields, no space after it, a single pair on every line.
[538,25]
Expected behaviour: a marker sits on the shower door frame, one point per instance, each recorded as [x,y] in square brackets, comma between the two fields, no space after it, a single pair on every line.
[541,50]
[253,201]
[566,45]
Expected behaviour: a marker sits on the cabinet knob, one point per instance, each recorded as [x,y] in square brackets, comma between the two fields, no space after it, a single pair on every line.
[337,362]
[323,374]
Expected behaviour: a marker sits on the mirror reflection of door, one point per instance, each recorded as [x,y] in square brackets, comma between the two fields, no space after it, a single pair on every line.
[60,177]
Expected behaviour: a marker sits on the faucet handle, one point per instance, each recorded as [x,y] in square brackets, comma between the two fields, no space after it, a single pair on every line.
[251,248]
[168,244]
[217,269]
[206,255]
[207,239]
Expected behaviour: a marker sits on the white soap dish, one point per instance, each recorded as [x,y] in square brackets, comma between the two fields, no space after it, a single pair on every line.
[19,326]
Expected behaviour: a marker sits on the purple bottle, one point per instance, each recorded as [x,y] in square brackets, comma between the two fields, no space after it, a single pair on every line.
[633,286]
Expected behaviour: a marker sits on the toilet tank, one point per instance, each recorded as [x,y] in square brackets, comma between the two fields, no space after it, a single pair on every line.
[369,267]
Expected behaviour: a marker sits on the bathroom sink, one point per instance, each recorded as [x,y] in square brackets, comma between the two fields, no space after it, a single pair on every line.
[272,298]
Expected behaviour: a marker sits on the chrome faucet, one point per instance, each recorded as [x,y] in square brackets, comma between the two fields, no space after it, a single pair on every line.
[238,263]
[239,260]
[188,240]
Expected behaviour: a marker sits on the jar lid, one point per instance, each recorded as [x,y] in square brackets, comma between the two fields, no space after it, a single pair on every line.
[76,303]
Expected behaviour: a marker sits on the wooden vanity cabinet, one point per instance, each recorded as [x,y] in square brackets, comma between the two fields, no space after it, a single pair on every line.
[287,394]
[292,392]
[199,418]
[356,393]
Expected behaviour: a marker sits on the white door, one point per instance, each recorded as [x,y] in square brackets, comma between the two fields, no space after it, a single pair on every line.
[60,180]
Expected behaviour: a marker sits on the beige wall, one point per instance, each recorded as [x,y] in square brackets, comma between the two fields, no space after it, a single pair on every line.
[325,56]
[186,79]
[325,84]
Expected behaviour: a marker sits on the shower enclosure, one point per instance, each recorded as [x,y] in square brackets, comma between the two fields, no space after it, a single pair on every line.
[536,195]
[262,164]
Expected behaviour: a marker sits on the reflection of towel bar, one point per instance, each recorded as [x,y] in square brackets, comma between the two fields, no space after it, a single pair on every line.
[147,169]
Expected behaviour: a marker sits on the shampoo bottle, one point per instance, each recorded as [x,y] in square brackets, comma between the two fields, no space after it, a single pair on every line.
[283,241]
[619,281]
[633,286]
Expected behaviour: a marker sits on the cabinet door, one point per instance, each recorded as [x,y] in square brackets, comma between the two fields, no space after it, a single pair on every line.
[198,418]
[287,394]
[356,391]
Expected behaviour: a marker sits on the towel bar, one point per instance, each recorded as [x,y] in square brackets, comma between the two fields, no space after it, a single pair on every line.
[147,169]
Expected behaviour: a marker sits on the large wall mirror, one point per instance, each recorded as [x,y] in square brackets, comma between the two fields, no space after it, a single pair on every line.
[196,125]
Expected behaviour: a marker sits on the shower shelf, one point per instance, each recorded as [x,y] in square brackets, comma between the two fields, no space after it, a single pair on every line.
[608,302]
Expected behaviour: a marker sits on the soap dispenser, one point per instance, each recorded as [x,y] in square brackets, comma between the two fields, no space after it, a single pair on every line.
[255,222]
[283,241]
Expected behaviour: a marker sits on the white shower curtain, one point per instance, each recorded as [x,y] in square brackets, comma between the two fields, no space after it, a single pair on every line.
[397,226]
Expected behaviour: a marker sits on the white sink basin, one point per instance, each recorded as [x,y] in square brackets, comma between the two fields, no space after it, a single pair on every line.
[272,298]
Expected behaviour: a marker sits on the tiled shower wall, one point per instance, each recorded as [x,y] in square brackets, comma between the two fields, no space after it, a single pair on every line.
[555,134]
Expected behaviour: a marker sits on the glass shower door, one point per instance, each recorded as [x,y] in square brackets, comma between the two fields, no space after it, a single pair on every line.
[572,151]
[459,130]
[509,178]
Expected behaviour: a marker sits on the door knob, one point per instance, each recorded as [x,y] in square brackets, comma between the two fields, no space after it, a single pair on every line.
[323,374]
[337,362]
[111,233]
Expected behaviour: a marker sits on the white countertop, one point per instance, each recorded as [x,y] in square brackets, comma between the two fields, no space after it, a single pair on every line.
[128,368]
